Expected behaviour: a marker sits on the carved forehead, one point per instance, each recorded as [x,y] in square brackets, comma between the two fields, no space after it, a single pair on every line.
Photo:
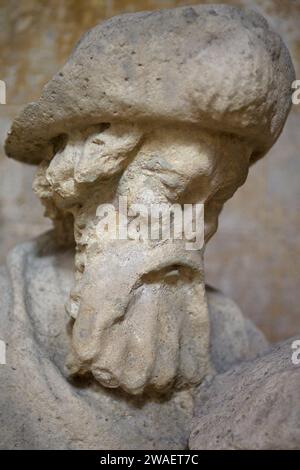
[102,151]
[172,163]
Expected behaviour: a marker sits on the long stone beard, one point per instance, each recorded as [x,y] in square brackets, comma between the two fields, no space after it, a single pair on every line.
[141,319]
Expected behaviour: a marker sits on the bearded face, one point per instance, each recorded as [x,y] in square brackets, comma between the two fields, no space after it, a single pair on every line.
[138,305]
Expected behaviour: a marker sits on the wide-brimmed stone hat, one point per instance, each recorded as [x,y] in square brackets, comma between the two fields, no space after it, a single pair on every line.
[218,67]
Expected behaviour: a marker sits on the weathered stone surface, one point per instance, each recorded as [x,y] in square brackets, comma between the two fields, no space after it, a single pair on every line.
[31,30]
[196,148]
[40,407]
[146,164]
[252,406]
[236,339]
[139,321]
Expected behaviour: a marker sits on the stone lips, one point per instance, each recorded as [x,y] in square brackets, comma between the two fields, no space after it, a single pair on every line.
[217,67]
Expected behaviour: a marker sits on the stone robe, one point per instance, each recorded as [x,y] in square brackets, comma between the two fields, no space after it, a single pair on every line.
[42,408]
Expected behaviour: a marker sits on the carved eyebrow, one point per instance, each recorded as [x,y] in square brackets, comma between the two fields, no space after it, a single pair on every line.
[106,153]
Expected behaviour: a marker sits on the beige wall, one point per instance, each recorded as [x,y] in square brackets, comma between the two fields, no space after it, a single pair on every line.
[254,257]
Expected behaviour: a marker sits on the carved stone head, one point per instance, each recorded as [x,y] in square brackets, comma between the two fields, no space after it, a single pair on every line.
[165,107]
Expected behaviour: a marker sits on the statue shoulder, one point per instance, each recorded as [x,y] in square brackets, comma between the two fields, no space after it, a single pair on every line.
[5,302]
[34,284]
[12,282]
[234,338]
[255,405]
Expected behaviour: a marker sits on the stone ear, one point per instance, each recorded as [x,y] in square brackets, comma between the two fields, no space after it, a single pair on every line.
[106,153]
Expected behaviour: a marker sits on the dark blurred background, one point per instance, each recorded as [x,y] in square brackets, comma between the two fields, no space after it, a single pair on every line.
[254,257]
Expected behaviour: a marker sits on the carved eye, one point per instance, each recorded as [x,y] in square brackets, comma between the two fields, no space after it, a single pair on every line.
[175,273]
[171,274]
[59,143]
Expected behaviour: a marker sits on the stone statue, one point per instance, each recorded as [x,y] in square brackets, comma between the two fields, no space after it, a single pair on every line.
[166,107]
